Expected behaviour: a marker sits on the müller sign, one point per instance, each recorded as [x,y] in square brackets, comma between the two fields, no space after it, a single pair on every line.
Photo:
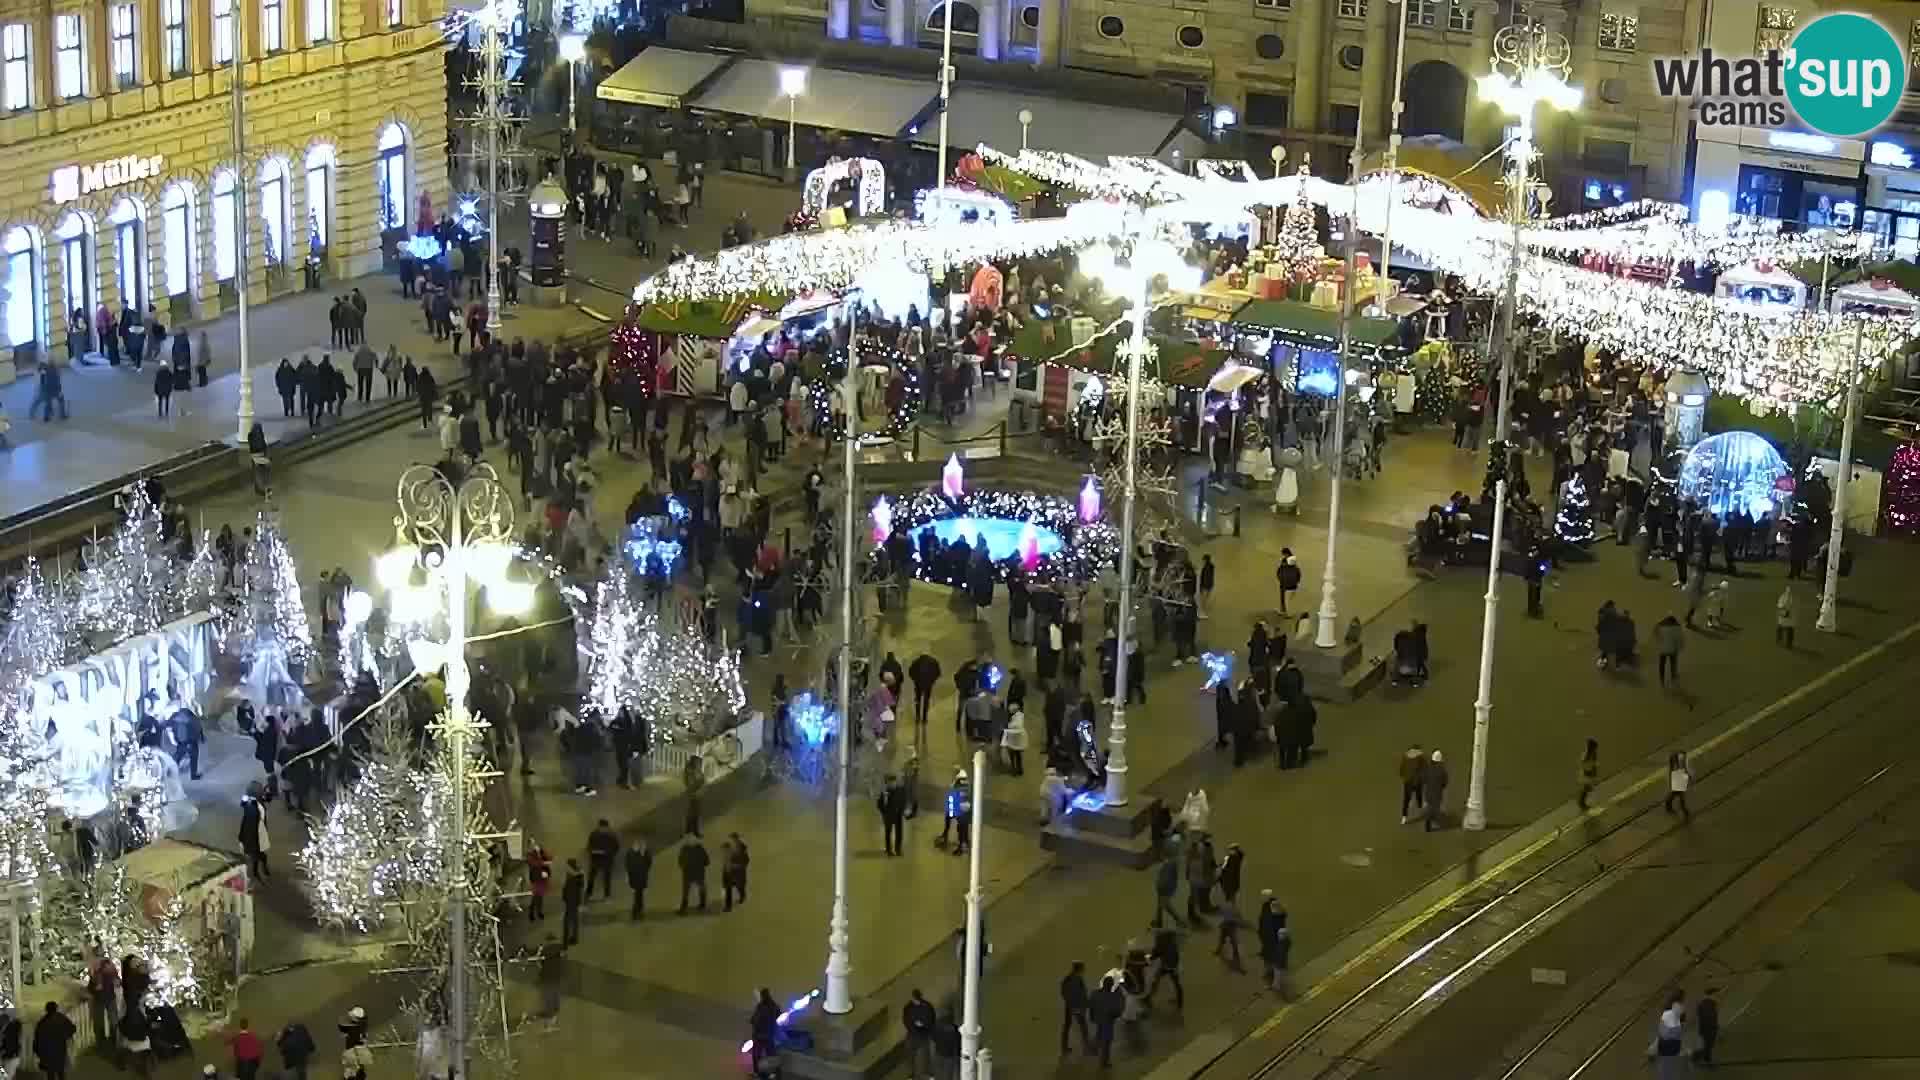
[70,182]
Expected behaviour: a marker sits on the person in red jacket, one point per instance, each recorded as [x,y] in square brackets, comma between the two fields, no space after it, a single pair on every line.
[247,1051]
[539,878]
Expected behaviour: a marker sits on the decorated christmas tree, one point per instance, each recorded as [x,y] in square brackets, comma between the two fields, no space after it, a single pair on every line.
[380,842]
[131,584]
[1573,522]
[663,670]
[1299,239]
[32,643]
[633,360]
[272,613]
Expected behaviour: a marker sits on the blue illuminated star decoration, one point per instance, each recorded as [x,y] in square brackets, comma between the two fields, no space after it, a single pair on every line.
[814,719]
[1219,668]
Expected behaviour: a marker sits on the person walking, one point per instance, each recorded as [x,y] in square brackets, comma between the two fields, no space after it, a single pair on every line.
[1413,767]
[1589,771]
[1783,617]
[918,1018]
[1106,1008]
[573,893]
[764,1026]
[364,361]
[693,870]
[103,996]
[1288,574]
[247,1051]
[1679,780]
[296,1047]
[602,846]
[539,881]
[1667,638]
[893,815]
[162,392]
[1276,943]
[1230,924]
[1166,960]
[639,869]
[1074,1005]
[254,840]
[1669,1037]
[1706,1024]
[53,1042]
[734,860]
[553,977]
[1166,883]
[1433,788]
[1203,598]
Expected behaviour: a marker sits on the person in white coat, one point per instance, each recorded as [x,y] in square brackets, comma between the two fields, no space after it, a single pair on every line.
[1014,741]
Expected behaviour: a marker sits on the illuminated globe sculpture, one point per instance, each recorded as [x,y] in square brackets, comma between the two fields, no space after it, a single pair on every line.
[1732,471]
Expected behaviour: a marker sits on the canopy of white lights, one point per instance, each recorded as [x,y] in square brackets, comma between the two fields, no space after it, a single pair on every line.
[1769,357]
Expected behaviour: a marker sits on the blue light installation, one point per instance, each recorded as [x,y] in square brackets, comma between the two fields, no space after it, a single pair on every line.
[814,719]
[1001,534]
[677,510]
[1219,668]
[1732,471]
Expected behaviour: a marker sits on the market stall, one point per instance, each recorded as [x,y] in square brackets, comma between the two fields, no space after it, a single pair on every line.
[1763,285]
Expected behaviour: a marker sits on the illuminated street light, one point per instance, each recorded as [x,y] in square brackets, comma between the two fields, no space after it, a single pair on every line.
[1529,69]
[793,83]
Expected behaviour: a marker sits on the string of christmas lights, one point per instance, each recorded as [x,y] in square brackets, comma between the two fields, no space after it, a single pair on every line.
[668,676]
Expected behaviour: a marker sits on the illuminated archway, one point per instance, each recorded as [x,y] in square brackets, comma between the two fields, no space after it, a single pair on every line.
[871,175]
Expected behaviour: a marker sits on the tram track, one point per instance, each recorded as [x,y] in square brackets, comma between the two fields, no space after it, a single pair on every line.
[1337,1041]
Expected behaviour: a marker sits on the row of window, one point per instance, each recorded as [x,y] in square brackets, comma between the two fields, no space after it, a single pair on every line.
[1616,32]
[1420,13]
[70,74]
[284,241]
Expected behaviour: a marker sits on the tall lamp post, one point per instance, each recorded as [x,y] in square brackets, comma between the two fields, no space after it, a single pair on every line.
[1026,121]
[839,998]
[1530,66]
[573,49]
[1326,632]
[494,118]
[457,537]
[1135,281]
[1828,620]
[241,223]
[793,83]
[1393,155]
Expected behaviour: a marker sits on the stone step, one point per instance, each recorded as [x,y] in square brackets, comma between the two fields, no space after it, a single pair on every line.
[1068,842]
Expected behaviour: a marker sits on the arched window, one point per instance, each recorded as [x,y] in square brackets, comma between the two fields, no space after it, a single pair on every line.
[176,239]
[320,161]
[390,175]
[75,235]
[966,18]
[129,221]
[20,319]
[226,245]
[274,206]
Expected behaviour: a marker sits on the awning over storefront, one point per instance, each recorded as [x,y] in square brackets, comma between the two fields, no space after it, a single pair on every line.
[1317,327]
[661,76]
[1095,132]
[836,100]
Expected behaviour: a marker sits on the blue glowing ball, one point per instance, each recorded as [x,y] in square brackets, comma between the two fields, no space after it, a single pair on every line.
[1732,471]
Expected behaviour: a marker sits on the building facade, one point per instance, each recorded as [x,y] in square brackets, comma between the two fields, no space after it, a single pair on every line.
[119,180]
[1793,174]
[1302,72]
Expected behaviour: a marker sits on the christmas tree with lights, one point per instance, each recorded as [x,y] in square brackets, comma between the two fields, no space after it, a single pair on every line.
[273,613]
[633,361]
[1299,239]
[1573,521]
[380,842]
